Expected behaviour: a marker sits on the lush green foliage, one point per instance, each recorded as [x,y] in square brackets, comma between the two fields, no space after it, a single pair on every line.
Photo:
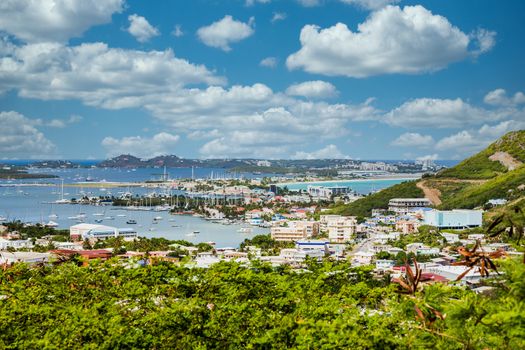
[379,200]
[266,243]
[106,306]
[503,186]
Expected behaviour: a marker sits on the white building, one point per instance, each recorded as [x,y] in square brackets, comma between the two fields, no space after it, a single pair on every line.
[455,219]
[296,230]
[90,231]
[407,205]
[326,192]
[340,228]
[15,243]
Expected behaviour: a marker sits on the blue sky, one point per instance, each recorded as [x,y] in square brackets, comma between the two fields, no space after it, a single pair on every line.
[364,79]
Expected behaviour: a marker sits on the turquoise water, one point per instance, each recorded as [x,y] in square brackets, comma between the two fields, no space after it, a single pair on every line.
[359,186]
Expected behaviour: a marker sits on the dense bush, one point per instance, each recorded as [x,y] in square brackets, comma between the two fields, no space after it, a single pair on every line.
[106,306]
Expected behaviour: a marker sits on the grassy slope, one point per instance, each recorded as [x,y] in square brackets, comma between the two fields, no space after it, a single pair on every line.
[379,200]
[502,186]
[480,166]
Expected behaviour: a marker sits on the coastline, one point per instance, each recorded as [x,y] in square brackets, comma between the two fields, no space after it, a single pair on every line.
[372,178]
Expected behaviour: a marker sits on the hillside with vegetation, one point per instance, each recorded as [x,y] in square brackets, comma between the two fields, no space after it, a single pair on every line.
[481,166]
[495,172]
[379,200]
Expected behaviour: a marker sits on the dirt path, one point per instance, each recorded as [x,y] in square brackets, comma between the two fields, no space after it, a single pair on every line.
[431,194]
[506,160]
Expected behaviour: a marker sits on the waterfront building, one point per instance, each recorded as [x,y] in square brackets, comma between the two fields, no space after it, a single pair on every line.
[404,206]
[327,192]
[296,230]
[90,231]
[453,219]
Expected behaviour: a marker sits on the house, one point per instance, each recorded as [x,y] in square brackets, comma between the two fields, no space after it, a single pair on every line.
[309,245]
[407,226]
[384,264]
[450,237]
[363,258]
[25,257]
[15,243]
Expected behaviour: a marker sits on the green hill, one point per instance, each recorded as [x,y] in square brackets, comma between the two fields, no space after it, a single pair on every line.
[379,200]
[496,172]
[480,166]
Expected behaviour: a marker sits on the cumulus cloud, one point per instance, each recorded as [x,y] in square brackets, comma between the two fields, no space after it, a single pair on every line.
[434,156]
[253,2]
[226,31]
[329,152]
[441,113]
[392,40]
[467,142]
[313,89]
[21,139]
[177,31]
[499,97]
[278,16]
[142,147]
[96,74]
[270,62]
[54,20]
[140,28]
[370,4]
[309,3]
[411,139]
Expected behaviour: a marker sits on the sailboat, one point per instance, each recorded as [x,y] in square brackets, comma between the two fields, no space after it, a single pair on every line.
[53,215]
[62,200]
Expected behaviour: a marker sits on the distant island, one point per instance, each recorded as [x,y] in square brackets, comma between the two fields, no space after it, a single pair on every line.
[321,167]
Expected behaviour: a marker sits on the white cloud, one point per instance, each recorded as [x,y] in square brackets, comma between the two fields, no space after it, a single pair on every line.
[142,147]
[499,97]
[313,89]
[329,152]
[309,3]
[20,139]
[54,20]
[392,40]
[270,62]
[140,28]
[95,74]
[410,139]
[370,4]
[485,40]
[253,2]
[278,16]
[441,113]
[468,142]
[224,32]
[434,156]
[177,31]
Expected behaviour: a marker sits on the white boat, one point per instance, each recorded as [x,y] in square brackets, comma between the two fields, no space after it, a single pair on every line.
[157,218]
[98,214]
[3,219]
[121,215]
[51,224]
[245,230]
[53,216]
[191,234]
[109,218]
